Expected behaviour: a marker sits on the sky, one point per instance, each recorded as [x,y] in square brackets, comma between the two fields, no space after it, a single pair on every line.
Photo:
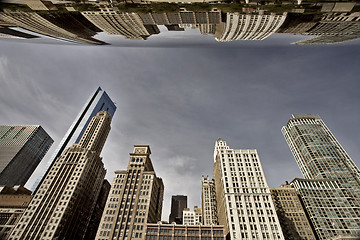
[181,100]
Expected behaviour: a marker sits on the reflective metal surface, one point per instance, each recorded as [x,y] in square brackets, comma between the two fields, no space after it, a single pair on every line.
[155,23]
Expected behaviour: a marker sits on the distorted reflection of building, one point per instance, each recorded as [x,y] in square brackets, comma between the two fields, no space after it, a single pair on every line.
[248,26]
[298,23]
[182,17]
[6,32]
[35,22]
[115,22]
[334,28]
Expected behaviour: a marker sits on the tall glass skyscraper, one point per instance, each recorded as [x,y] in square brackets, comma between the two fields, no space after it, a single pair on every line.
[21,150]
[100,100]
[331,188]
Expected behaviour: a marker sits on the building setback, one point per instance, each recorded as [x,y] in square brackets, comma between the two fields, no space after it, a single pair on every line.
[181,232]
[292,217]
[331,190]
[244,204]
[208,201]
[64,202]
[21,150]
[135,199]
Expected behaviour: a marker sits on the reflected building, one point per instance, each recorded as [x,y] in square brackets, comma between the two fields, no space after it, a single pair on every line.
[114,22]
[330,191]
[6,32]
[34,22]
[248,26]
[334,28]
[182,17]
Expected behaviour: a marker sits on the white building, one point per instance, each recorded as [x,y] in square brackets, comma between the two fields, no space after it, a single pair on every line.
[192,217]
[248,26]
[244,203]
[208,201]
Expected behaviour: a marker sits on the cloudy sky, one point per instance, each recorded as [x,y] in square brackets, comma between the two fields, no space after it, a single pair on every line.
[181,100]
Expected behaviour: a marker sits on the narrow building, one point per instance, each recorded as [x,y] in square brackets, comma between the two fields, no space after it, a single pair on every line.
[208,201]
[292,217]
[135,199]
[244,204]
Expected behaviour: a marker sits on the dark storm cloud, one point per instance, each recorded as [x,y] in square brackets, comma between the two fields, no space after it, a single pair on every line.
[179,101]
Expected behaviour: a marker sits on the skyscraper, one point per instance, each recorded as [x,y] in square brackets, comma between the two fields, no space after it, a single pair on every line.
[21,150]
[331,190]
[244,204]
[97,102]
[135,199]
[208,201]
[294,222]
[64,202]
[178,203]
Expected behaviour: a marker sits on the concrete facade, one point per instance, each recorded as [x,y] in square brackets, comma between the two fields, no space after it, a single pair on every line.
[244,203]
[292,217]
[135,198]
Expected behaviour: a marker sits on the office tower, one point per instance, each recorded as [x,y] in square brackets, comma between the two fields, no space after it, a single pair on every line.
[248,26]
[331,189]
[292,217]
[64,202]
[180,232]
[244,203]
[21,150]
[13,202]
[208,201]
[135,199]
[96,102]
[98,211]
[178,204]
[192,217]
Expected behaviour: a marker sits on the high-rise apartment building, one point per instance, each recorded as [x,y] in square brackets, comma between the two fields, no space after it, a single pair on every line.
[244,204]
[331,190]
[98,101]
[178,204]
[208,201]
[21,150]
[293,220]
[135,199]
[64,202]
